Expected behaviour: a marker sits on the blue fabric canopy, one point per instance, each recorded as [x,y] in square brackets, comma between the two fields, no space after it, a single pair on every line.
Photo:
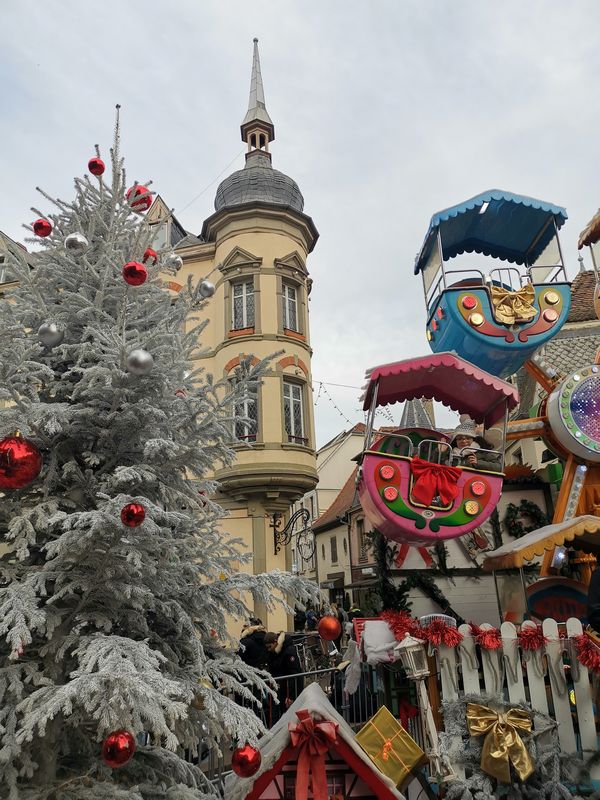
[512,227]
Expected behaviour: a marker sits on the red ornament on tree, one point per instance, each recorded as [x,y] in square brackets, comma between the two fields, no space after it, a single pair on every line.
[96,166]
[42,228]
[118,748]
[329,628]
[150,255]
[20,462]
[245,761]
[139,198]
[134,273]
[133,514]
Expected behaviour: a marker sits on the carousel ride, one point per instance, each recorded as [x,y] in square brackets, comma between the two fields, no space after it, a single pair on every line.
[483,324]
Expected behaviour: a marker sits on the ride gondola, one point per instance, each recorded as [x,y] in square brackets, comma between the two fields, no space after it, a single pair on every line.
[412,486]
[495,319]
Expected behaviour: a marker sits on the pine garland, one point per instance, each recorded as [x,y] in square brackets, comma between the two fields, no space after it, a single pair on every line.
[514,514]
[557,776]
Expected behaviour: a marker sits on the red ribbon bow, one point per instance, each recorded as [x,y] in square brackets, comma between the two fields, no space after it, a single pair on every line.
[434,480]
[313,740]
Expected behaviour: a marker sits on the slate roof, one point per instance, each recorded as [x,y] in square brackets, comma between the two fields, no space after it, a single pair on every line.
[582,297]
[342,503]
[415,415]
[258,182]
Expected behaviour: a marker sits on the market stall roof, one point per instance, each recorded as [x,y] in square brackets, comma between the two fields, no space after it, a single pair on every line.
[496,223]
[514,554]
[591,233]
[444,377]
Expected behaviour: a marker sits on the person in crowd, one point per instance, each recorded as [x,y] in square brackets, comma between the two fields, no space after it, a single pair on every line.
[253,651]
[312,619]
[283,661]
[299,620]
[465,444]
[354,612]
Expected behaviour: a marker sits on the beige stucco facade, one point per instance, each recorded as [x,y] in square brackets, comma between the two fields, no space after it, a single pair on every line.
[254,250]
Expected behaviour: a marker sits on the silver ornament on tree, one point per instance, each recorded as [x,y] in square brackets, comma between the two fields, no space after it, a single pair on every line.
[139,362]
[206,289]
[173,261]
[50,335]
[76,243]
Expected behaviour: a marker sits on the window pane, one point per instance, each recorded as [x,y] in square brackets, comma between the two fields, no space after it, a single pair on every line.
[246,427]
[293,415]
[243,305]
[249,305]
[290,316]
[334,555]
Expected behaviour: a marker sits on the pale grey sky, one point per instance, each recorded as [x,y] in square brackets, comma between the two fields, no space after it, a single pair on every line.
[385,111]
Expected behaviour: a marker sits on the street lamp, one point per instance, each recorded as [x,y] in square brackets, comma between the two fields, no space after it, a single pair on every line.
[413,656]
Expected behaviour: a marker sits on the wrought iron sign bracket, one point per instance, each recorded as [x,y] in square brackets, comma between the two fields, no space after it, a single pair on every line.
[283,535]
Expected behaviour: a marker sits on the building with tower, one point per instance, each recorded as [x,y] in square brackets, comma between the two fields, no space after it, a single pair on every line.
[254,249]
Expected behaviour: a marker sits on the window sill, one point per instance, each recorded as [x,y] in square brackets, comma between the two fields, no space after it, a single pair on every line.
[235,332]
[304,448]
[294,334]
[247,445]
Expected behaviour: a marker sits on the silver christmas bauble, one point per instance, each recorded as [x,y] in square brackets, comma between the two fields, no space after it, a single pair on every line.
[49,334]
[139,362]
[207,289]
[173,261]
[76,243]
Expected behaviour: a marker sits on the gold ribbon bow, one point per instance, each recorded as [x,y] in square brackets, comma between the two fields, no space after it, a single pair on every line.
[502,744]
[510,307]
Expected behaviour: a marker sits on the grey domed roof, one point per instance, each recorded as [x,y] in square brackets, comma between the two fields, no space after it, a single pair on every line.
[259,182]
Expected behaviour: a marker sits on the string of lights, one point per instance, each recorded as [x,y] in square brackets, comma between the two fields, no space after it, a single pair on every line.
[322,388]
[333,403]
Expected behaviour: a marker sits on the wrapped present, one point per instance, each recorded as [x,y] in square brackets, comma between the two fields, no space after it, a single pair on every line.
[390,747]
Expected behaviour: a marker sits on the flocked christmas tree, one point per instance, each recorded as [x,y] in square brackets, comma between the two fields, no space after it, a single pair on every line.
[116,582]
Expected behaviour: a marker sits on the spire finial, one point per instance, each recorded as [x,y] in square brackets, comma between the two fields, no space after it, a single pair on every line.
[257,120]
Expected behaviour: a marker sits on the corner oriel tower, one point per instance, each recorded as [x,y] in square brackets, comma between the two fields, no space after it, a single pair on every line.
[255,248]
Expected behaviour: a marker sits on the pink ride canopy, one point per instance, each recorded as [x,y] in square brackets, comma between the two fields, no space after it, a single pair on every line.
[444,377]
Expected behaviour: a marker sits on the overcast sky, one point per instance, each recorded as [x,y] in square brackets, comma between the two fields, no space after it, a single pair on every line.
[385,111]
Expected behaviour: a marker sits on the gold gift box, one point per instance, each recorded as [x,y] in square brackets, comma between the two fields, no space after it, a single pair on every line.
[390,747]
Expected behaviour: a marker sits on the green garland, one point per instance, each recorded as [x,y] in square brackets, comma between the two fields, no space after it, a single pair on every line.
[513,518]
[394,596]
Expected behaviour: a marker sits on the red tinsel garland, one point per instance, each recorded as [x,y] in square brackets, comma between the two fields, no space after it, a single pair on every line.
[488,638]
[531,639]
[587,653]
[401,623]
[439,632]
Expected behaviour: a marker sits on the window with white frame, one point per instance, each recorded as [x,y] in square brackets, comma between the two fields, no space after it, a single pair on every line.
[242,305]
[160,234]
[293,412]
[245,424]
[290,307]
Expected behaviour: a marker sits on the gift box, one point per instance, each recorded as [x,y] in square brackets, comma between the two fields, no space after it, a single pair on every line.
[390,747]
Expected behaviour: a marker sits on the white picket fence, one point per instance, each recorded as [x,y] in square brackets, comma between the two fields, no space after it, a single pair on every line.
[531,677]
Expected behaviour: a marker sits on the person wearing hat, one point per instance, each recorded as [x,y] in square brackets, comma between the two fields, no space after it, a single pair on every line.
[466,442]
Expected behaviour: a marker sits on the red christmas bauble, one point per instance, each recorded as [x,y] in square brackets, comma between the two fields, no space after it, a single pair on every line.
[42,228]
[149,253]
[245,761]
[20,462]
[139,198]
[135,273]
[96,166]
[118,748]
[329,628]
[133,514]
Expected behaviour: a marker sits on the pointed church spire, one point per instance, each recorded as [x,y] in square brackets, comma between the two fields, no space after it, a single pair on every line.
[415,414]
[257,127]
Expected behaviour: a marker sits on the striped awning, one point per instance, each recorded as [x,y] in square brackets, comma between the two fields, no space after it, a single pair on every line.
[586,529]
